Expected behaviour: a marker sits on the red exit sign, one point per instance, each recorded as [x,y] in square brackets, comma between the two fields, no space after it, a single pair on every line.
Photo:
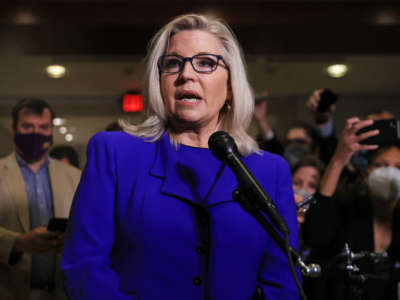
[132,102]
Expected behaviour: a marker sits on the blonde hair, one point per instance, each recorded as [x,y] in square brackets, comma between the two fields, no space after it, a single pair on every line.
[234,121]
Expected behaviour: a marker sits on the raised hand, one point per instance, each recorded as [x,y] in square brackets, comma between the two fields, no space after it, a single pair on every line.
[313,103]
[313,100]
[261,108]
[349,141]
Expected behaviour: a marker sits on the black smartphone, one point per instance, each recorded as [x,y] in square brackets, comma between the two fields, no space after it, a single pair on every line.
[327,98]
[389,132]
[57,224]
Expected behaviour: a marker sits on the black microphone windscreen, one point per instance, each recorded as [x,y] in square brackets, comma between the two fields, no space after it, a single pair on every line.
[222,145]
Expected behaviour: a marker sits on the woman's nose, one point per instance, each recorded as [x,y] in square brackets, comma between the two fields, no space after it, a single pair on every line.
[187,70]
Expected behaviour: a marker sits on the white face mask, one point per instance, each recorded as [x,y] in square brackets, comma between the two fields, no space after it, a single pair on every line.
[384,183]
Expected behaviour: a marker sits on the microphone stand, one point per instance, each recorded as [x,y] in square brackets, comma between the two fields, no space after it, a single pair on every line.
[252,197]
[254,209]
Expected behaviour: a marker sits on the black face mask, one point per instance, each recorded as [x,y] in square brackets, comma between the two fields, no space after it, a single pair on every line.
[33,145]
[295,150]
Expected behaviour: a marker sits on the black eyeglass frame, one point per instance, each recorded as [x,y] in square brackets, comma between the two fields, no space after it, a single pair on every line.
[185,59]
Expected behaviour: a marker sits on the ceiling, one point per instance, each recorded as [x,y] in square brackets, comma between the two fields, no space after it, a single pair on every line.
[103,27]
[287,45]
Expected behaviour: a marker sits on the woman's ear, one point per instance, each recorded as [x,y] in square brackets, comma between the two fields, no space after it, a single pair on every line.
[229,94]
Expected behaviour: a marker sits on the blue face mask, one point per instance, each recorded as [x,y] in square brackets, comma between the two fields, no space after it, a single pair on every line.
[359,160]
[295,150]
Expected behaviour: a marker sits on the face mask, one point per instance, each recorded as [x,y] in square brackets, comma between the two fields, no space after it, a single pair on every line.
[295,150]
[360,161]
[302,192]
[384,183]
[33,145]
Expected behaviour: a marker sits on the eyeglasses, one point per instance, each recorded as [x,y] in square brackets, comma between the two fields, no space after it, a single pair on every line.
[201,63]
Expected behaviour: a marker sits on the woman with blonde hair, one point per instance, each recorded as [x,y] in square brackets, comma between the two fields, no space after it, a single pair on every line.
[153,217]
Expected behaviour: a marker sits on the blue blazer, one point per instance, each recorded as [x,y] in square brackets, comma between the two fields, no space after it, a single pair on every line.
[138,231]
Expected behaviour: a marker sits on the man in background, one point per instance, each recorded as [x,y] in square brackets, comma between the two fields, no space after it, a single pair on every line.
[33,189]
[65,154]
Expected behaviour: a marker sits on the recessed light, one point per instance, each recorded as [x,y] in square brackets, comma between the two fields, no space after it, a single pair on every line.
[58,121]
[337,70]
[63,130]
[69,137]
[56,71]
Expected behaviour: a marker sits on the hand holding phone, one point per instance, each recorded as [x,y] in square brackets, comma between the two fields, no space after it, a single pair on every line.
[349,141]
[327,98]
[389,132]
[57,224]
[39,240]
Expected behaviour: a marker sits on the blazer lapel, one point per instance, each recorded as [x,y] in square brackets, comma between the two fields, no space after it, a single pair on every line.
[17,189]
[177,180]
[167,167]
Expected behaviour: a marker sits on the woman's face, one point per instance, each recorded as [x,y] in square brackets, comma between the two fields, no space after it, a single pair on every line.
[388,158]
[306,178]
[298,133]
[193,100]
[383,182]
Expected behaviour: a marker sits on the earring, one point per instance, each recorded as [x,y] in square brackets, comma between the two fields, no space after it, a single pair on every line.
[228,105]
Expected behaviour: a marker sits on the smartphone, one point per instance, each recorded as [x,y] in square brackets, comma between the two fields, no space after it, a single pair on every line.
[57,224]
[327,98]
[389,132]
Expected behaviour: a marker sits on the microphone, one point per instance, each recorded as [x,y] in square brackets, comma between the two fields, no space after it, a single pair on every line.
[224,148]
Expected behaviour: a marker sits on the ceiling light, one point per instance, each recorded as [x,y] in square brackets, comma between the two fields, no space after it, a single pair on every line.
[63,130]
[58,121]
[337,70]
[69,137]
[55,71]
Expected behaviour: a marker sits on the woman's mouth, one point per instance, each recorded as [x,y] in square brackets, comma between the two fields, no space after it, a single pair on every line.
[188,96]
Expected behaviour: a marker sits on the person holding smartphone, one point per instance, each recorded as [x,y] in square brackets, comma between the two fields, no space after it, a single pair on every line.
[301,138]
[322,104]
[33,189]
[366,219]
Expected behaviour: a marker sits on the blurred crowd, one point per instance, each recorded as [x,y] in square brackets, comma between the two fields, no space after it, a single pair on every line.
[347,190]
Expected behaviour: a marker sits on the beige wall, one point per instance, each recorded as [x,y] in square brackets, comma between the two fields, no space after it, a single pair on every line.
[88,96]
